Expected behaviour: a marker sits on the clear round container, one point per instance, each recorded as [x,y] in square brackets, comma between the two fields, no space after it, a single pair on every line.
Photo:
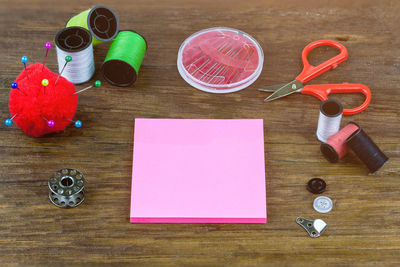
[220,60]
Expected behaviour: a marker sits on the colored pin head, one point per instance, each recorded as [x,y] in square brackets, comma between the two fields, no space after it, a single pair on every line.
[8,122]
[51,123]
[24,59]
[78,124]
[45,82]
[47,46]
[14,85]
[68,58]
[97,83]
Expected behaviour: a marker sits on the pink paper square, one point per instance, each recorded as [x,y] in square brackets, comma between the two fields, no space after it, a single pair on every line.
[198,171]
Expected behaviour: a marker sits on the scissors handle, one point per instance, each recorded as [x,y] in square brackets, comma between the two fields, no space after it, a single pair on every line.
[322,91]
[310,72]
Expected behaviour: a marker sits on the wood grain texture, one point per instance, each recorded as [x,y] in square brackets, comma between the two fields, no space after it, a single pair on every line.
[364,226]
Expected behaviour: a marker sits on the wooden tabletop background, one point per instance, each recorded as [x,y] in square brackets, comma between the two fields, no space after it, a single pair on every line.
[364,225]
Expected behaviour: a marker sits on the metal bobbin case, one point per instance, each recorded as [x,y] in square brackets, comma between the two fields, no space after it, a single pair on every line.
[75,42]
[67,188]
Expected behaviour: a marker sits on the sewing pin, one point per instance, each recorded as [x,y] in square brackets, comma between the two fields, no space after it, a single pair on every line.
[77,123]
[24,59]
[67,59]
[8,122]
[14,85]
[47,46]
[45,82]
[223,67]
[96,84]
[50,123]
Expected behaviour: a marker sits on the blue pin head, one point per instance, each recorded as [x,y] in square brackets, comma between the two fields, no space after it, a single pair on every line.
[78,124]
[14,85]
[24,59]
[8,122]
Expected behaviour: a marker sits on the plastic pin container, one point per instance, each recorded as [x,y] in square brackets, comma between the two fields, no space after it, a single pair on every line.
[220,60]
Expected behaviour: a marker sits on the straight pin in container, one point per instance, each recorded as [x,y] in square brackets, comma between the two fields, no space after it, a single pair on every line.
[124,58]
[101,21]
[367,150]
[330,116]
[220,60]
[75,42]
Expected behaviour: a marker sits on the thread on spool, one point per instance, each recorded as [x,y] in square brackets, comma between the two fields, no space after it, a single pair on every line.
[123,60]
[335,148]
[101,21]
[366,150]
[75,42]
[330,115]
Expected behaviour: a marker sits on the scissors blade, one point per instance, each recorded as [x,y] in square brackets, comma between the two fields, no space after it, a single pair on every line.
[272,88]
[290,88]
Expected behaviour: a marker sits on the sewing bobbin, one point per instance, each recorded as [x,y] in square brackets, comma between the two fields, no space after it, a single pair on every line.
[101,21]
[330,115]
[335,148]
[124,58]
[67,188]
[366,150]
[76,44]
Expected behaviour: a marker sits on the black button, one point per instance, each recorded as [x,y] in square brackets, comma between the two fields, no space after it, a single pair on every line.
[316,186]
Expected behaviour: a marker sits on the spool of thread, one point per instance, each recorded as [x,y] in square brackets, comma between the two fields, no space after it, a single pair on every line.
[335,148]
[75,42]
[123,60]
[366,150]
[101,21]
[330,115]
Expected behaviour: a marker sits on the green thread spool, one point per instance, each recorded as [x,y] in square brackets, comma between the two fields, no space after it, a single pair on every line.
[123,60]
[101,21]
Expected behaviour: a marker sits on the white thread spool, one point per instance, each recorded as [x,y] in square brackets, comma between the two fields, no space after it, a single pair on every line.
[330,115]
[77,43]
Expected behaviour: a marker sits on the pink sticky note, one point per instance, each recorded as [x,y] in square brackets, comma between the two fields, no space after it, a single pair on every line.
[198,171]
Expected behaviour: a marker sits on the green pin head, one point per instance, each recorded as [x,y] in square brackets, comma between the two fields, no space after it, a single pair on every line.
[68,58]
[97,83]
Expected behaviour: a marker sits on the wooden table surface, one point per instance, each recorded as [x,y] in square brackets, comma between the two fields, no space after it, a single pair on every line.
[364,225]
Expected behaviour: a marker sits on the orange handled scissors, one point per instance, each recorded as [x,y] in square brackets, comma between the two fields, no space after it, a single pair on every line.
[320,91]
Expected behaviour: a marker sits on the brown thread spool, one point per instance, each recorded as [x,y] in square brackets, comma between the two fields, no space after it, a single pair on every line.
[335,148]
[366,150]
